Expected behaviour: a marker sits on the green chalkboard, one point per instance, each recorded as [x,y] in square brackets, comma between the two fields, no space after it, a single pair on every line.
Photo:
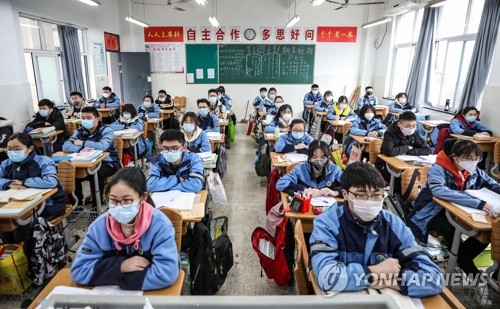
[202,58]
[266,63]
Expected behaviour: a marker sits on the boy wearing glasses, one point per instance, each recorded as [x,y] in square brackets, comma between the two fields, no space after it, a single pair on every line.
[402,138]
[175,168]
[358,245]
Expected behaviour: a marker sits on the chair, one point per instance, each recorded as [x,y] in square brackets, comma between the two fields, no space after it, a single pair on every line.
[301,268]
[176,218]
[70,127]
[419,182]
[374,149]
[119,147]
[66,174]
[290,167]
[496,160]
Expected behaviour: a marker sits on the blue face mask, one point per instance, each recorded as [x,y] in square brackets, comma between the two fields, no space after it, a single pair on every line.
[88,123]
[188,127]
[146,104]
[297,135]
[470,118]
[124,214]
[263,94]
[172,157]
[127,116]
[43,112]
[203,111]
[17,156]
[272,96]
[212,100]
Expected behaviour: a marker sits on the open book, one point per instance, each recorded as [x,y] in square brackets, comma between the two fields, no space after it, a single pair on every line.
[174,199]
[21,195]
[215,136]
[86,155]
[16,207]
[418,160]
[41,132]
[483,194]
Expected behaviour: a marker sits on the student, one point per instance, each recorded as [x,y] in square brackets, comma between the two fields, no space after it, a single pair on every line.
[278,101]
[316,177]
[224,98]
[215,106]
[341,108]
[282,119]
[453,173]
[366,125]
[402,138]
[176,168]
[129,119]
[312,98]
[148,109]
[267,105]
[326,102]
[108,100]
[48,116]
[357,245]
[401,105]
[196,139]
[164,100]
[132,245]
[295,140]
[94,134]
[208,121]
[75,106]
[260,98]
[368,98]
[466,122]
[6,130]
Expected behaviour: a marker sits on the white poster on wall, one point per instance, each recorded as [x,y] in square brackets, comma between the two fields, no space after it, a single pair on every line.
[166,58]
[99,56]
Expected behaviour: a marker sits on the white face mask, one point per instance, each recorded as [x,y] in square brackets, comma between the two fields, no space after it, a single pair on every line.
[286,117]
[369,116]
[402,101]
[469,166]
[367,210]
[105,94]
[328,99]
[315,92]
[407,131]
[342,106]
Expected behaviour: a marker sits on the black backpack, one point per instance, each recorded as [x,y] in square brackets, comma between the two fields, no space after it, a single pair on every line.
[263,164]
[210,261]
[171,123]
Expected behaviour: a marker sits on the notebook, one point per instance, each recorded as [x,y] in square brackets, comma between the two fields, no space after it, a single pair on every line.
[21,195]
[174,199]
[86,155]
[15,208]
[214,136]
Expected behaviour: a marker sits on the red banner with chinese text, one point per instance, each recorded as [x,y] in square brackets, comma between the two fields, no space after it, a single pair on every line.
[337,34]
[164,34]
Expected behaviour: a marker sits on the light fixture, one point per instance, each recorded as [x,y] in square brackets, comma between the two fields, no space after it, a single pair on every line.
[213,20]
[436,3]
[293,21]
[29,26]
[201,2]
[91,2]
[136,21]
[317,2]
[376,22]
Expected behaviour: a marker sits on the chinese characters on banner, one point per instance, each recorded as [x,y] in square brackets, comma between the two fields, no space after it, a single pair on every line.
[164,34]
[337,34]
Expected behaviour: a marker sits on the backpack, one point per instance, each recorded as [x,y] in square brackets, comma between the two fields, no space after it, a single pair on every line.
[274,253]
[221,165]
[171,123]
[263,164]
[315,127]
[443,131]
[389,119]
[49,251]
[210,261]
[274,218]
[399,204]
[327,136]
[272,194]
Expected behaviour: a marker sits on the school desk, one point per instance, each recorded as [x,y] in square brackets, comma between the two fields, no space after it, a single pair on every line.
[152,124]
[338,126]
[281,162]
[197,212]
[9,223]
[395,167]
[321,114]
[429,125]
[216,143]
[63,278]
[270,138]
[484,146]
[372,147]
[463,224]
[381,110]
[133,141]
[77,121]
[106,112]
[46,142]
[223,125]
[165,113]
[85,169]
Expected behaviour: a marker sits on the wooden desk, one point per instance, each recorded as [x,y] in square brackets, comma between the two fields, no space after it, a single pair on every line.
[46,142]
[338,126]
[463,224]
[217,142]
[9,223]
[270,138]
[395,167]
[223,125]
[281,166]
[321,114]
[76,121]
[85,169]
[132,141]
[63,278]
[152,124]
[106,112]
[381,110]
[484,146]
[372,147]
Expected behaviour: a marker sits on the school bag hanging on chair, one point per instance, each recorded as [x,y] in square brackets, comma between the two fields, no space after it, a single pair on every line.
[272,194]
[263,161]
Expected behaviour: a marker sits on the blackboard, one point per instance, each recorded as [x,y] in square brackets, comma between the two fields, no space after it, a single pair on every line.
[266,63]
[201,57]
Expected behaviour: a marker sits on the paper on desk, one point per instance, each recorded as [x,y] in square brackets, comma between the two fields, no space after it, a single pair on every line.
[323,201]
[486,195]
[113,290]
[470,210]
[430,159]
[296,157]
[183,201]
[68,290]
[164,198]
[479,218]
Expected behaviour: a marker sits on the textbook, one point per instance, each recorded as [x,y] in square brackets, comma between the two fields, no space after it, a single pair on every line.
[418,160]
[209,159]
[127,133]
[17,207]
[86,155]
[174,199]
[214,136]
[21,195]
[41,132]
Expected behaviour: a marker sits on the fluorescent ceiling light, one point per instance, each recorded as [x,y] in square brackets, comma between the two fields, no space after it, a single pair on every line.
[436,3]
[317,2]
[376,22]
[29,26]
[201,2]
[91,2]
[136,21]
[293,21]
[213,20]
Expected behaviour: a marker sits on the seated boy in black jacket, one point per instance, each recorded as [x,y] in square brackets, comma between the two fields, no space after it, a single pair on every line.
[402,138]
[48,115]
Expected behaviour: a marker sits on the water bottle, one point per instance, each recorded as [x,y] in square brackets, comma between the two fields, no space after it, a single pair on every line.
[276,131]
[447,105]
[185,266]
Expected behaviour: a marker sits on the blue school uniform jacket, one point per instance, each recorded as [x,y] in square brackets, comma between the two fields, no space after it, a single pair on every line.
[310,98]
[362,127]
[210,123]
[103,139]
[35,172]
[323,106]
[286,143]
[441,184]
[458,127]
[163,176]
[268,106]
[152,112]
[98,261]
[343,114]
[199,142]
[133,123]
[113,101]
[394,107]
[258,100]
[301,177]
[226,101]
[273,124]
[342,249]
[367,100]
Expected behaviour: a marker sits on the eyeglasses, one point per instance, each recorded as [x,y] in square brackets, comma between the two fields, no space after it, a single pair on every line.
[366,197]
[127,202]
[171,149]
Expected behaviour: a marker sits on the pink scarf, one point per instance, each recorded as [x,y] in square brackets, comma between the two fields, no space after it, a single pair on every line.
[142,223]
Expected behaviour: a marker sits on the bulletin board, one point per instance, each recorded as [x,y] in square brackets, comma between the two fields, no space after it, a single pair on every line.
[202,64]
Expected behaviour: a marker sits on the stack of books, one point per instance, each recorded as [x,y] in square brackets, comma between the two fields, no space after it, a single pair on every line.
[42,132]
[209,159]
[215,136]
[15,202]
[127,133]
[86,155]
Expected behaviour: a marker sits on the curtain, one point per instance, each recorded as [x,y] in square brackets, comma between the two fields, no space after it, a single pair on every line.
[482,54]
[419,80]
[71,60]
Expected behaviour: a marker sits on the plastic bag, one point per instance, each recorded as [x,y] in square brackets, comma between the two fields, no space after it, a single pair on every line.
[232,131]
[216,189]
[13,270]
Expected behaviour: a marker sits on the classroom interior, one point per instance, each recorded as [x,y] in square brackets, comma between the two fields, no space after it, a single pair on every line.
[381,56]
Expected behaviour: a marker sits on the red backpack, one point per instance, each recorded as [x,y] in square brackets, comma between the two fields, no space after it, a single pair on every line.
[444,131]
[274,262]
[273,196]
